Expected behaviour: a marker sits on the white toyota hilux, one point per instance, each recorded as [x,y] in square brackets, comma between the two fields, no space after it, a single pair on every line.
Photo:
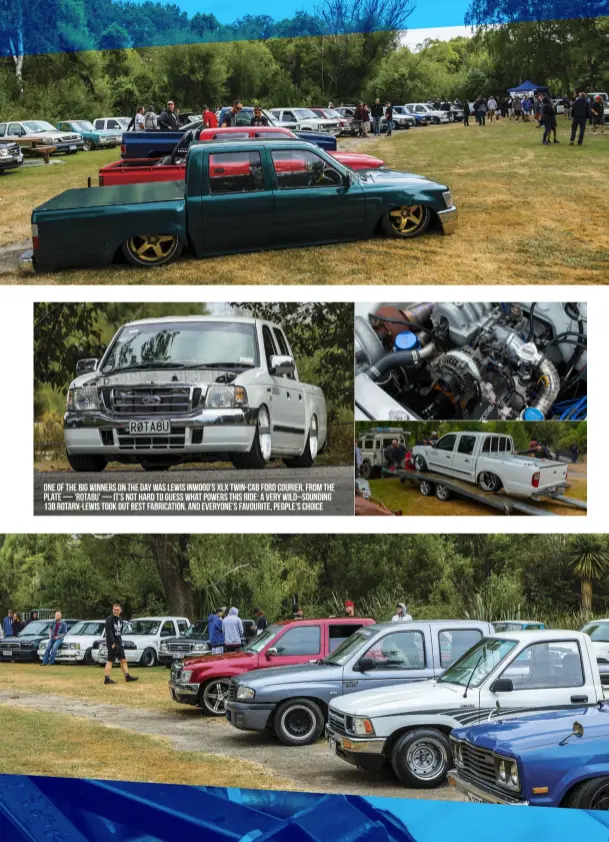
[142,641]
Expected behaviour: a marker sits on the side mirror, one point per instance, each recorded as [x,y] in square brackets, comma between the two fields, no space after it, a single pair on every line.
[270,653]
[346,180]
[281,365]
[502,685]
[89,364]
[366,665]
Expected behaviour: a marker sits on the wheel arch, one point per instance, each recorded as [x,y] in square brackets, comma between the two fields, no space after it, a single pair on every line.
[420,726]
[574,781]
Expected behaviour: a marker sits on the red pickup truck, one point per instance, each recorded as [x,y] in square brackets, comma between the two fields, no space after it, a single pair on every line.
[140,170]
[204,681]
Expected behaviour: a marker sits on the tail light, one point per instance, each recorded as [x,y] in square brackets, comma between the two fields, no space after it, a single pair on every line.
[123,148]
[535,480]
[35,241]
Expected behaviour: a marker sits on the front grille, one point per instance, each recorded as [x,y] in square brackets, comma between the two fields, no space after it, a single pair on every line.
[232,691]
[478,763]
[173,441]
[150,400]
[337,722]
[69,137]
[180,647]
[7,646]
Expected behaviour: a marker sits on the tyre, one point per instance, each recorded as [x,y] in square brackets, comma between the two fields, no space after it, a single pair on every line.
[152,249]
[214,697]
[406,222]
[489,481]
[298,722]
[419,463]
[88,659]
[442,492]
[149,658]
[260,452]
[310,451]
[86,463]
[157,466]
[589,795]
[426,488]
[366,469]
[421,758]
[89,146]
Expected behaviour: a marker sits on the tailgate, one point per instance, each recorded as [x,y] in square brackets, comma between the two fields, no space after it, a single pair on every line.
[551,475]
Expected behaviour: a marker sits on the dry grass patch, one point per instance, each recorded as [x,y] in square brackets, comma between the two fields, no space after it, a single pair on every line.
[54,744]
[529,214]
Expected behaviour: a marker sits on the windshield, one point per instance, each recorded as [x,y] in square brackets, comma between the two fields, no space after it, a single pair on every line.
[198,630]
[304,114]
[342,653]
[82,125]
[36,628]
[88,628]
[597,631]
[137,627]
[260,641]
[502,627]
[478,662]
[36,126]
[183,344]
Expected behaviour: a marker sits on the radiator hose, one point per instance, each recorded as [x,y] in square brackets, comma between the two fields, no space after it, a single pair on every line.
[551,387]
[405,359]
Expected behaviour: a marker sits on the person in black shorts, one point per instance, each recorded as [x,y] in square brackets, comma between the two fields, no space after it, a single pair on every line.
[114,641]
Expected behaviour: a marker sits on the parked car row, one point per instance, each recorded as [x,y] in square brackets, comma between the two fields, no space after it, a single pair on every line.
[490,707]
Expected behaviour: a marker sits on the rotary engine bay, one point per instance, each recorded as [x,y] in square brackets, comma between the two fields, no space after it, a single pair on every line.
[474,361]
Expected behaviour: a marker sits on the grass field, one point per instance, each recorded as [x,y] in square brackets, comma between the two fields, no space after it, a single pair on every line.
[528,214]
[41,743]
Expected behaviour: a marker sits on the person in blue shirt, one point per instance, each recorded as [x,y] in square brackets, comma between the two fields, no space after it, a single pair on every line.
[7,624]
[215,632]
[57,632]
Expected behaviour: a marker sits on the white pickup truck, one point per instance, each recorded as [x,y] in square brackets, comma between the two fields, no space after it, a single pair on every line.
[194,388]
[489,461]
[77,645]
[408,726]
[143,637]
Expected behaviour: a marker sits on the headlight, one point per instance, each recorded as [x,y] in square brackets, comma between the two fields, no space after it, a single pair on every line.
[448,198]
[506,773]
[75,646]
[362,726]
[200,647]
[502,770]
[85,399]
[164,647]
[457,754]
[245,693]
[222,397]
[4,153]
[185,676]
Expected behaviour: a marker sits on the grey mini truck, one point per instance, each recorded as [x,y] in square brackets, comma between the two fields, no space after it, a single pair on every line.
[292,701]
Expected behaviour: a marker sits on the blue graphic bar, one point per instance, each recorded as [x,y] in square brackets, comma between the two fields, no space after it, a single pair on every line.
[39,809]
[34,27]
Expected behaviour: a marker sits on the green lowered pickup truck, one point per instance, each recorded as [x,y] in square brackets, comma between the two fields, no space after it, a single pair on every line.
[237,196]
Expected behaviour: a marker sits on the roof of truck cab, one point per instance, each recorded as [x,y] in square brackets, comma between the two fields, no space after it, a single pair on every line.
[540,634]
[173,319]
[122,194]
[246,145]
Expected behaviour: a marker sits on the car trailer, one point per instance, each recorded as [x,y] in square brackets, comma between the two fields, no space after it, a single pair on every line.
[444,488]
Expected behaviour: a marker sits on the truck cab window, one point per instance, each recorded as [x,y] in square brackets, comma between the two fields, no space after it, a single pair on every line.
[543,666]
[304,640]
[466,445]
[269,345]
[235,172]
[403,650]
[447,442]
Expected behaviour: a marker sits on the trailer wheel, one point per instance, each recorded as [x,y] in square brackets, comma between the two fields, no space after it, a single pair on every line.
[421,758]
[419,463]
[426,488]
[489,481]
[442,492]
[152,249]
[589,795]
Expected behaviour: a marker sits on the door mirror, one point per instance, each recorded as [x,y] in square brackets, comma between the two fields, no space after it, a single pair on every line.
[89,364]
[281,365]
[270,653]
[502,685]
[346,180]
[366,665]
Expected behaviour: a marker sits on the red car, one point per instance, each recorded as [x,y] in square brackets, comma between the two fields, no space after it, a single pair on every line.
[139,170]
[205,681]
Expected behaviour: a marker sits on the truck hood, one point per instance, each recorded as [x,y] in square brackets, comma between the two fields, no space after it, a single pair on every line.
[155,377]
[85,198]
[420,696]
[246,660]
[515,735]
[396,178]
[294,674]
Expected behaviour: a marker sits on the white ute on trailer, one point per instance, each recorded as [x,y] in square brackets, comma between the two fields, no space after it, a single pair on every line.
[408,726]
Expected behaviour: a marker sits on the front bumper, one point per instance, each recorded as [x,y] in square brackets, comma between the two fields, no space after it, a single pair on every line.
[249,717]
[69,146]
[7,163]
[185,694]
[18,654]
[477,792]
[224,431]
[360,752]
[66,656]
[26,262]
[448,219]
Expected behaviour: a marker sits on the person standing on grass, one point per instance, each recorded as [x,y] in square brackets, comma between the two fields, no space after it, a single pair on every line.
[7,623]
[140,119]
[357,453]
[114,642]
[492,107]
[168,120]
[377,116]
[581,114]
[547,118]
[365,120]
[233,631]
[18,624]
[526,109]
[215,633]
[466,113]
[389,118]
[33,617]
[567,105]
[150,120]
[57,632]
[537,111]
[517,108]
[482,108]
[574,452]
[261,621]
[598,115]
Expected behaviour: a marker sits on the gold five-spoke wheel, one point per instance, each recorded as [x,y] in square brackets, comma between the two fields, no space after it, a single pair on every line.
[407,221]
[152,249]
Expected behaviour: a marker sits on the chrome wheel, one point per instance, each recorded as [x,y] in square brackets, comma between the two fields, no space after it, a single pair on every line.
[488,481]
[426,488]
[298,722]
[215,697]
[313,438]
[419,463]
[264,433]
[426,759]
[442,492]
[88,145]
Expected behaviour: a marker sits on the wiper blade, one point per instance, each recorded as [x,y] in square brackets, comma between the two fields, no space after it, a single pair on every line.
[144,365]
[220,365]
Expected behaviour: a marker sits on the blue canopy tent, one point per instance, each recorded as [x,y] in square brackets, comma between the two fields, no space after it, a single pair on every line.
[526,87]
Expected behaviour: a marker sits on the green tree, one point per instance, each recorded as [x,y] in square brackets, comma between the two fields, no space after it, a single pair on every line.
[589,558]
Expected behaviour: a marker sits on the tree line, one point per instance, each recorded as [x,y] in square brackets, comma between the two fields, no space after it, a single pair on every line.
[560,579]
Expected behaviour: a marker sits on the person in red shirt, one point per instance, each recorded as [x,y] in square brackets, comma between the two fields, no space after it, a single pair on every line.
[209,118]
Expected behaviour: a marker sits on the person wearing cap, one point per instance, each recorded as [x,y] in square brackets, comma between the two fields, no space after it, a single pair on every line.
[168,120]
[401,614]
[349,608]
[261,621]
